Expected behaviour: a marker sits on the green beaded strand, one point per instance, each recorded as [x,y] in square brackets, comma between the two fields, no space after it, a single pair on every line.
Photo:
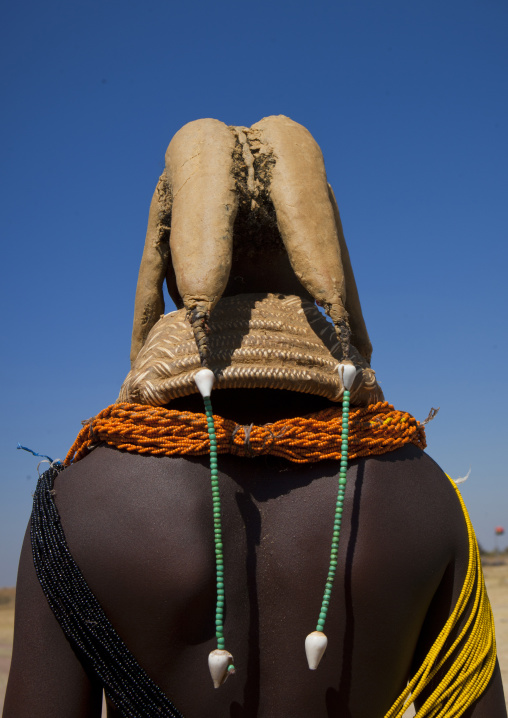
[217,528]
[338,512]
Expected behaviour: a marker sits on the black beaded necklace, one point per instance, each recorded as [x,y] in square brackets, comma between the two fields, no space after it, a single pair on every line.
[87,628]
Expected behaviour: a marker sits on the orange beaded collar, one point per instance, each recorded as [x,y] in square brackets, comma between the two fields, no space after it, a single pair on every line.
[375,429]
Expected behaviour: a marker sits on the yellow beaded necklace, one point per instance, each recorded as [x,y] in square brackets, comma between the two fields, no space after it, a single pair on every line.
[464,667]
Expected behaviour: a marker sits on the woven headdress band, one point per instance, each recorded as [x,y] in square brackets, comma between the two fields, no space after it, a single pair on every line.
[254,341]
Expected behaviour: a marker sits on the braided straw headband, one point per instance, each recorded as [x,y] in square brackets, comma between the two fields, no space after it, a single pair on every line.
[255,341]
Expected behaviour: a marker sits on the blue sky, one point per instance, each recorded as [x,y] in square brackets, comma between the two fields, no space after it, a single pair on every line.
[408,101]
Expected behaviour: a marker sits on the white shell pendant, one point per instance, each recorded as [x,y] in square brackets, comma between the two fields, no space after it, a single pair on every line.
[315,646]
[218,663]
[204,381]
[347,374]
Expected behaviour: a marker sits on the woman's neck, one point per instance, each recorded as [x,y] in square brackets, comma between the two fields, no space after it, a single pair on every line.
[254,406]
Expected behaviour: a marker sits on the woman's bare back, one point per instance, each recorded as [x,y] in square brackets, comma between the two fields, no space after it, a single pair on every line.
[140,529]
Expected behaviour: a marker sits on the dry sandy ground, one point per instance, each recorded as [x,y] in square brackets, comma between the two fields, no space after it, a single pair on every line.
[6,629]
[496,577]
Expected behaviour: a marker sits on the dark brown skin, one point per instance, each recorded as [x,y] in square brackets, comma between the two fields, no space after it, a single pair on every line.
[140,528]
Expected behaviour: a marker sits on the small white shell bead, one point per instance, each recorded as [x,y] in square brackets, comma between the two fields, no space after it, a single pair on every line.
[204,381]
[218,663]
[315,646]
[347,374]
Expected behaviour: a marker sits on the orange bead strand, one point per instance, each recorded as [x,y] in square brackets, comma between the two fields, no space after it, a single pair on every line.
[374,430]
